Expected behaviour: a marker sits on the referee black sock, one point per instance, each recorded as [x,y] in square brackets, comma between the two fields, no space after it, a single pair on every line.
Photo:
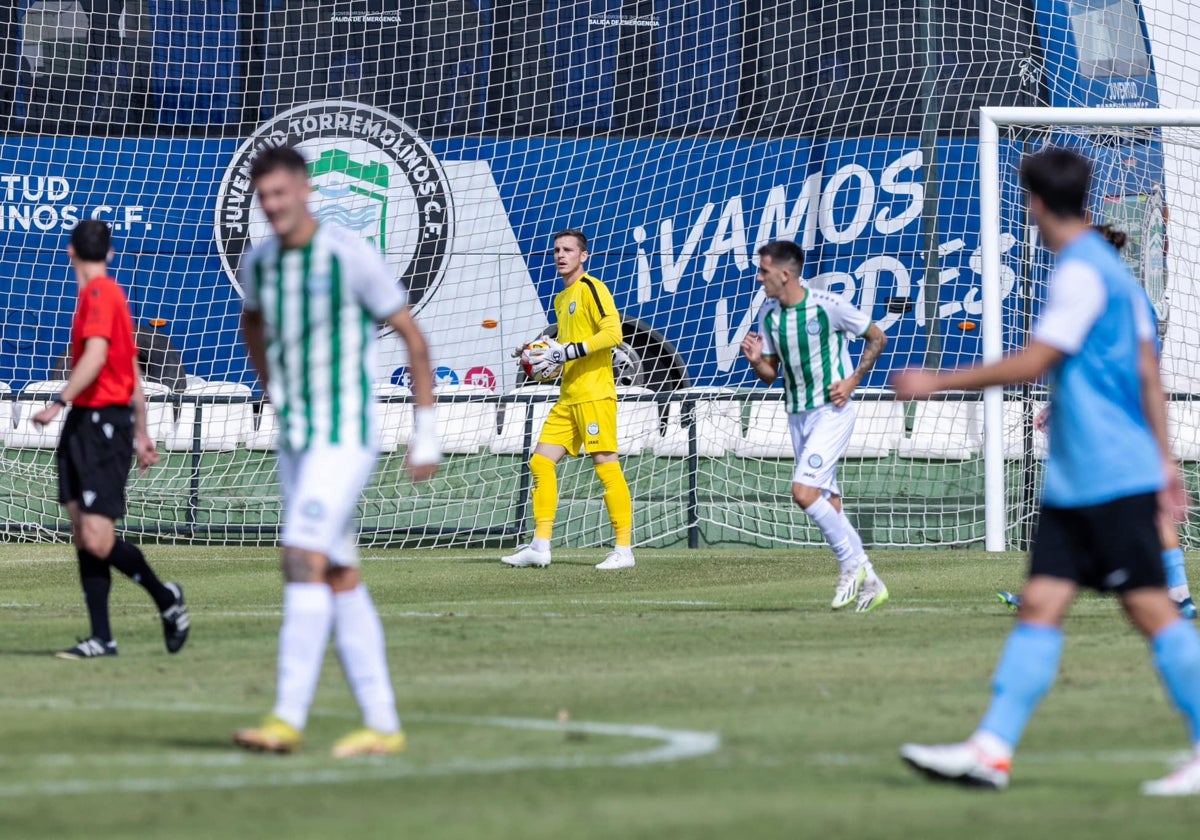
[128,559]
[97,581]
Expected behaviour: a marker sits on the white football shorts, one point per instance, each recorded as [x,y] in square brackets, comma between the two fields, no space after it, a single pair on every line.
[321,490]
[819,439]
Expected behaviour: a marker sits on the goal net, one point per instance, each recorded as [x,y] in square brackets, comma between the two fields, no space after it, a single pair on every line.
[1145,166]
[458,136]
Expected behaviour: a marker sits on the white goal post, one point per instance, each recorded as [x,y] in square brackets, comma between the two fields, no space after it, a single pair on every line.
[991,120]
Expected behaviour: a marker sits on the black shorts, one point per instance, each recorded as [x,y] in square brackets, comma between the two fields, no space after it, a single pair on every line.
[1114,546]
[94,456]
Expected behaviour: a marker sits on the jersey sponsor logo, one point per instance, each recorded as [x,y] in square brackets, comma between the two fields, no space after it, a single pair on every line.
[813,327]
[815,461]
[371,174]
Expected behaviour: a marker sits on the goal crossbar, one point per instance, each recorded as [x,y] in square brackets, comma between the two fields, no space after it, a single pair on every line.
[990,120]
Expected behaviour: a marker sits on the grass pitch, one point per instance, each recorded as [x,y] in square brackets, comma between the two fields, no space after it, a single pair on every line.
[707,694]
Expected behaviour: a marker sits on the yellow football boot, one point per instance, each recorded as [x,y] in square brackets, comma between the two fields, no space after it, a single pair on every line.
[369,742]
[273,736]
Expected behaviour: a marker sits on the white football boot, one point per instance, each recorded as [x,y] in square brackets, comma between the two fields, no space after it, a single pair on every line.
[849,582]
[527,555]
[617,560]
[963,763]
[871,595]
[1183,782]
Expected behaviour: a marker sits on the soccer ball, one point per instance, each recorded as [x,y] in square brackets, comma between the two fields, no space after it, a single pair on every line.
[527,365]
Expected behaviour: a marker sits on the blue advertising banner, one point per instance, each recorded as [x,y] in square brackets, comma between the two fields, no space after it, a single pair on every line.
[674,225]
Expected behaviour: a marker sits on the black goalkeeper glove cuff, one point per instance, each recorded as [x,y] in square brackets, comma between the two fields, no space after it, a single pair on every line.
[575,350]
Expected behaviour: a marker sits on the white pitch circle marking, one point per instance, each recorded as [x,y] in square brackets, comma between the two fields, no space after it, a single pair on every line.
[674,745]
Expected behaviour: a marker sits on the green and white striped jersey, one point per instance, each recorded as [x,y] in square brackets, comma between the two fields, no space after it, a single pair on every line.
[320,305]
[811,340]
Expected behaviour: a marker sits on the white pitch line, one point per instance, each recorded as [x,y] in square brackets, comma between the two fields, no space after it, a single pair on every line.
[676,745]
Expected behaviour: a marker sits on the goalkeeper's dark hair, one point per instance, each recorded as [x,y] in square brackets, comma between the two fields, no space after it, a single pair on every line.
[579,235]
[785,254]
[274,158]
[1061,179]
[92,240]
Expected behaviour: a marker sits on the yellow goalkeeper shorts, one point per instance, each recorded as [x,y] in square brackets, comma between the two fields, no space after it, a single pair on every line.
[589,427]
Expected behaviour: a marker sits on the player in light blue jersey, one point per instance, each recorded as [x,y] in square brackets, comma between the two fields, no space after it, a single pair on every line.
[1109,473]
[803,338]
[1172,551]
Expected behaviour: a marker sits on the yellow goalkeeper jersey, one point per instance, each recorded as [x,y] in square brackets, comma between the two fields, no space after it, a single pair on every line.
[586,312]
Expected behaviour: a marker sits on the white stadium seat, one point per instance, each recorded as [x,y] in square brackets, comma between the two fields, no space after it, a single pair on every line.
[948,430]
[33,398]
[1183,429]
[465,427]
[717,418]
[395,418]
[767,435]
[6,412]
[1015,411]
[637,421]
[510,439]
[878,425]
[160,413]
[267,430]
[222,426]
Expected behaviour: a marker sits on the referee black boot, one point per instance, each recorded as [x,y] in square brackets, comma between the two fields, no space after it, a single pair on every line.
[88,649]
[175,620]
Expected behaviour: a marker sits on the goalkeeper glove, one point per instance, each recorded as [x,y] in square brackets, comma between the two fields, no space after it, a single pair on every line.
[556,354]
[424,447]
[516,354]
[544,369]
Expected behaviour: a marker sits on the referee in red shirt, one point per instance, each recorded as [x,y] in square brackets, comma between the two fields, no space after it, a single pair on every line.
[102,431]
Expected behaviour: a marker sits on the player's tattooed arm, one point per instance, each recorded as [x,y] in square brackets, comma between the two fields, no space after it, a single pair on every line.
[876,343]
[840,392]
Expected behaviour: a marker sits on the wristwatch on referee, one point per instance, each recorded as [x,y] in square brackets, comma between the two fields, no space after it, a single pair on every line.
[58,398]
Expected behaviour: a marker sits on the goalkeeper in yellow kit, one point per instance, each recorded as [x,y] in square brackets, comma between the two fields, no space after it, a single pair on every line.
[585,416]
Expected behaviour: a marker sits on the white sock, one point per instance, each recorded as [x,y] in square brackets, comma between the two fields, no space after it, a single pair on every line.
[1178,593]
[856,543]
[307,619]
[363,654]
[624,550]
[830,520]
[540,544]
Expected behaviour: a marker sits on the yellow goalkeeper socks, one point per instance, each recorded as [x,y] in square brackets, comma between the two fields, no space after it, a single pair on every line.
[618,501]
[545,496]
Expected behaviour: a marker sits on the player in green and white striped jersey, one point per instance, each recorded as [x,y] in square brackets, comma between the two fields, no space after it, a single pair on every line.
[320,304]
[804,334]
[313,296]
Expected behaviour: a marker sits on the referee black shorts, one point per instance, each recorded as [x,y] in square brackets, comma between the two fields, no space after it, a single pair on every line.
[1113,546]
[95,452]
